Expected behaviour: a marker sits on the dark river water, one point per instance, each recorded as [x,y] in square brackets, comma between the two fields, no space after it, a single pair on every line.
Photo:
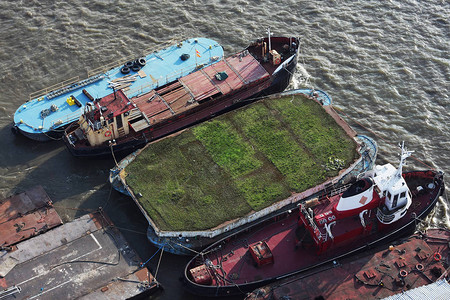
[384,63]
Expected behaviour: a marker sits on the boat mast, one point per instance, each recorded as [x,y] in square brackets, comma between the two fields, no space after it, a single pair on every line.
[405,154]
[268,32]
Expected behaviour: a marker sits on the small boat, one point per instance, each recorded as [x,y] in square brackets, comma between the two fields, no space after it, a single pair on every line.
[118,123]
[384,204]
[407,264]
[49,111]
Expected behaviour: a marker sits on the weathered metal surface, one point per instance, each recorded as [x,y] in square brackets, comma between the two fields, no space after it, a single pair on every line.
[25,215]
[74,260]
[376,273]
[241,69]
[139,283]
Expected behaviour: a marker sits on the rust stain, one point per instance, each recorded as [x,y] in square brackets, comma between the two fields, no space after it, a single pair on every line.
[25,215]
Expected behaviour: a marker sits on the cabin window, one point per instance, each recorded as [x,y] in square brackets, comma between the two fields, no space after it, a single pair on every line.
[119,121]
[394,202]
[388,195]
[402,195]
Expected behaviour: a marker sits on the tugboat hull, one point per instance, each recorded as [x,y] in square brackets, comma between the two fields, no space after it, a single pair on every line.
[404,265]
[280,235]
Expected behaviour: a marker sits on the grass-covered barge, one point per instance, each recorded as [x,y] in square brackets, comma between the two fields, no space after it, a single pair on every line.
[242,167]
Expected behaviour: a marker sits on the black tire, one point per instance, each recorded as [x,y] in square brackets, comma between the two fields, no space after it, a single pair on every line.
[141,61]
[136,68]
[184,56]
[129,64]
[125,70]
[15,130]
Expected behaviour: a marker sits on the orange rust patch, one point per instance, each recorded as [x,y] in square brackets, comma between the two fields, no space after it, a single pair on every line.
[144,275]
[3,283]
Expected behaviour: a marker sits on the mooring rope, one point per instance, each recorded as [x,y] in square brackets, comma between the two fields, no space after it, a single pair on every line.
[159,262]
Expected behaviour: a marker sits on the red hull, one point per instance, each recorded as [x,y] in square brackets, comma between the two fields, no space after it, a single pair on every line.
[417,261]
[191,99]
[234,268]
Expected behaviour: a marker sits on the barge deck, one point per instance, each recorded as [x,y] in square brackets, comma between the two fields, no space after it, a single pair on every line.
[85,258]
[204,182]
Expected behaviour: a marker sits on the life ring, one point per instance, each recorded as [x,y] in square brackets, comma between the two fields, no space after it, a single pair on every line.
[419,267]
[437,256]
[108,133]
[403,273]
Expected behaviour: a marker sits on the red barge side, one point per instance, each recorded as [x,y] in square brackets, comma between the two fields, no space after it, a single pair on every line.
[383,206]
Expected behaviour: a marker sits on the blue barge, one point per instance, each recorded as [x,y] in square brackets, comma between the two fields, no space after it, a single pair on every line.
[49,111]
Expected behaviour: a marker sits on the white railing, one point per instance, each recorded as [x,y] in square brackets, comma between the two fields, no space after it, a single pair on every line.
[51,88]
[69,118]
[384,218]
[92,72]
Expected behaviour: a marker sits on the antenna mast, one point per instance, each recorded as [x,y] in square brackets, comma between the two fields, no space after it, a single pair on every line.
[405,154]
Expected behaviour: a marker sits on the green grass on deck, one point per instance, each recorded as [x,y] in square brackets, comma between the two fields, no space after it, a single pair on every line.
[240,162]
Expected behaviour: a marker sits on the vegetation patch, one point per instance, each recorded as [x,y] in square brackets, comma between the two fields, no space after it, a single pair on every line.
[317,131]
[240,162]
[182,187]
[227,148]
[277,143]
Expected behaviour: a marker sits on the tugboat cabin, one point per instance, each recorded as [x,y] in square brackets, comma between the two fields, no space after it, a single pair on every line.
[394,191]
[106,118]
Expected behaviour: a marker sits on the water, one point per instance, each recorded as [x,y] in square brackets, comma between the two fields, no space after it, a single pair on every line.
[385,64]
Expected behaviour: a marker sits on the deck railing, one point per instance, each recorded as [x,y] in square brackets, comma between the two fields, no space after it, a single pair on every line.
[69,118]
[56,86]
[95,71]
[122,60]
[384,218]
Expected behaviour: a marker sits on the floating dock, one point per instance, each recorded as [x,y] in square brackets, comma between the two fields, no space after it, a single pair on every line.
[83,259]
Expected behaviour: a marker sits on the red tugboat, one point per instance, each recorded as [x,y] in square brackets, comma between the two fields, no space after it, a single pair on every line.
[119,124]
[382,272]
[385,204]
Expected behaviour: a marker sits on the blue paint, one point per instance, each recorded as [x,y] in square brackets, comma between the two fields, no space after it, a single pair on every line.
[161,67]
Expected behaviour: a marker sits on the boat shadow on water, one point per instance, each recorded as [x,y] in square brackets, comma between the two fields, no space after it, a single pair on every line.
[69,182]
[17,149]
